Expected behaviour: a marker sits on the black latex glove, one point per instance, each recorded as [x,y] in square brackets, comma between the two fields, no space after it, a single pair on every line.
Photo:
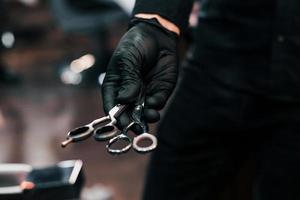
[145,56]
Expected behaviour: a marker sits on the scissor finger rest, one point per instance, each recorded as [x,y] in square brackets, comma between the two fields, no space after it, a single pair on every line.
[144,137]
[105,132]
[116,139]
[77,134]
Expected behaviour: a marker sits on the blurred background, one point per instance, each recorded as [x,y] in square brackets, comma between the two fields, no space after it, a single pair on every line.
[52,55]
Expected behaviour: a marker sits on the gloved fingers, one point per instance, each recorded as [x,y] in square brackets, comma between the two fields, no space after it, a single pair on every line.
[109,92]
[162,82]
[121,83]
[111,84]
[151,115]
[123,120]
[129,64]
[157,100]
[128,92]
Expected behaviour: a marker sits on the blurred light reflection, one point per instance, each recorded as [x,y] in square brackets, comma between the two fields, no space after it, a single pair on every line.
[101,78]
[70,77]
[29,2]
[8,39]
[82,63]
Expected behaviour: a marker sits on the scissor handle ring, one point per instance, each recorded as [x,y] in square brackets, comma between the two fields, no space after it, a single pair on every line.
[116,139]
[86,132]
[75,135]
[105,132]
[144,136]
[99,121]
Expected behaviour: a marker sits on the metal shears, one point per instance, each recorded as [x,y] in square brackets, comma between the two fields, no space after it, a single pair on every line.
[137,119]
[86,131]
[105,128]
[135,142]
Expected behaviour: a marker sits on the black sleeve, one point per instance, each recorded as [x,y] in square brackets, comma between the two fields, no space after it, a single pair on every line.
[176,11]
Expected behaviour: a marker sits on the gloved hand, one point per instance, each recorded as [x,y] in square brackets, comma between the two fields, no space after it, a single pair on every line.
[146,56]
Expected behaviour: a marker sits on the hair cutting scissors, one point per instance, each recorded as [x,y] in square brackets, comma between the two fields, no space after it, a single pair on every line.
[137,120]
[84,132]
[133,143]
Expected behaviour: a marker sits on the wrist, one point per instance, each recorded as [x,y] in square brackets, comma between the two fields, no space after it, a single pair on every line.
[163,22]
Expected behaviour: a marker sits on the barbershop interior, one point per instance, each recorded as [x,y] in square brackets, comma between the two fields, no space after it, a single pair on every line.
[215,121]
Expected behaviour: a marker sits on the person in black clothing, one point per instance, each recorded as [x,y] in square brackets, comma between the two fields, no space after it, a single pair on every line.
[237,96]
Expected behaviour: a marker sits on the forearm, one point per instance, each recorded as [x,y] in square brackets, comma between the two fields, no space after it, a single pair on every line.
[165,23]
[175,12]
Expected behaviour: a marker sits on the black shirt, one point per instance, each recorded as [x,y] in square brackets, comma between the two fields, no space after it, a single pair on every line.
[252,46]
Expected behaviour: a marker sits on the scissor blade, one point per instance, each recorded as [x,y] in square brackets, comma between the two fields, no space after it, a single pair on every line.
[78,131]
[105,132]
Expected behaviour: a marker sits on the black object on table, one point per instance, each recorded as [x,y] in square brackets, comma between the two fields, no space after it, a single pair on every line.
[62,181]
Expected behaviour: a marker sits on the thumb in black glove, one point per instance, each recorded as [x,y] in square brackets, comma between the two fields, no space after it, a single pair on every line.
[146,57]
